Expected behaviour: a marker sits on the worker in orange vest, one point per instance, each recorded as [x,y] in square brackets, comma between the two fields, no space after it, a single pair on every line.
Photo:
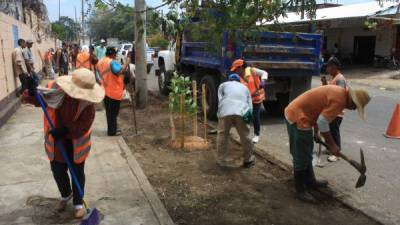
[112,75]
[255,80]
[70,104]
[307,118]
[83,59]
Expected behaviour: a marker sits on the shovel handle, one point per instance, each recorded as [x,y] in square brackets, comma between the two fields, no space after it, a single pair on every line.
[355,164]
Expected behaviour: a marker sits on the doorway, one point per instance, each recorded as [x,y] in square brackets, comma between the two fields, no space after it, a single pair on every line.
[364,49]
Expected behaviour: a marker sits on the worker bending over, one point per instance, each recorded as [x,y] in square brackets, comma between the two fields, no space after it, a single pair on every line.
[316,108]
[70,104]
[255,80]
[234,110]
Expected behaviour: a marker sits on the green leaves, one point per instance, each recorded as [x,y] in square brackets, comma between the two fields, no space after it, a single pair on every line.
[181,85]
[66,29]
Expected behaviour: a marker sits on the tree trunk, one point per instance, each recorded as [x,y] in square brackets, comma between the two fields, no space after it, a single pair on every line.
[140,53]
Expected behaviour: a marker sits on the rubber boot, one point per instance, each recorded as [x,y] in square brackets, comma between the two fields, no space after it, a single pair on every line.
[300,182]
[312,182]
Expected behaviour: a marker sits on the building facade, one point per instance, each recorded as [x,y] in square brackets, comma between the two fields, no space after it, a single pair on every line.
[357,32]
[27,20]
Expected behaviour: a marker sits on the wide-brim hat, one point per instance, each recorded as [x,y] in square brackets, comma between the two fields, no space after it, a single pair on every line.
[237,63]
[361,98]
[82,85]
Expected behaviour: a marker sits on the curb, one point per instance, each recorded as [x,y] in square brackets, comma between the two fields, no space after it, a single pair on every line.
[157,207]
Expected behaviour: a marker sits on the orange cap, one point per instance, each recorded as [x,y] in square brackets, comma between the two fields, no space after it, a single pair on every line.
[237,63]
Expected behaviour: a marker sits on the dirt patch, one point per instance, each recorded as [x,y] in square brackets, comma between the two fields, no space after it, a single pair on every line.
[195,191]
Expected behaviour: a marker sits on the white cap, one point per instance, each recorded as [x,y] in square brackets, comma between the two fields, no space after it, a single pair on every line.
[102,41]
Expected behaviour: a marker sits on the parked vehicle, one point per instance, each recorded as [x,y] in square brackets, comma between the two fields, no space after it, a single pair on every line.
[149,58]
[291,60]
[123,51]
[386,62]
[113,42]
[122,54]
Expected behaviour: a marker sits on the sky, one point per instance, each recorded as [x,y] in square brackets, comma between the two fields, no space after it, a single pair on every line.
[68,6]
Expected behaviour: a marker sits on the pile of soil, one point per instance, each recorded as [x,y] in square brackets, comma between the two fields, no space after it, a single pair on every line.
[195,191]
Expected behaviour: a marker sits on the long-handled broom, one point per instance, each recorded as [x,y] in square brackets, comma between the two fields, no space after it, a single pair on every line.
[92,217]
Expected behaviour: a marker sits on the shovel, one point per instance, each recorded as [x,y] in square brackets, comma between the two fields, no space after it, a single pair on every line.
[360,167]
[92,217]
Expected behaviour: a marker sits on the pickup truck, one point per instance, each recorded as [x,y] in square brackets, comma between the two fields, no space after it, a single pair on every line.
[291,59]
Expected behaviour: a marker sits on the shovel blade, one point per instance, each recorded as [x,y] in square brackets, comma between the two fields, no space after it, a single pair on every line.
[361,181]
[363,166]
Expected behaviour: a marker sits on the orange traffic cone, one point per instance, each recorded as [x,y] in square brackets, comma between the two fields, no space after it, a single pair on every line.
[393,130]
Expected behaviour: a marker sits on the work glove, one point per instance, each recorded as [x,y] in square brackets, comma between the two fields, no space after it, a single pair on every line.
[59,133]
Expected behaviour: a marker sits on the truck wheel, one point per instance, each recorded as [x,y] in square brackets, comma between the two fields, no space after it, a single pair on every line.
[276,108]
[211,96]
[163,81]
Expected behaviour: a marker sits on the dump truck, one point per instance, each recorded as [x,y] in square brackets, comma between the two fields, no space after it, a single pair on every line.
[291,59]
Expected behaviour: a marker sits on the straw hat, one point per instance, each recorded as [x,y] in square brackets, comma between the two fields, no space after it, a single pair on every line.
[81,85]
[360,97]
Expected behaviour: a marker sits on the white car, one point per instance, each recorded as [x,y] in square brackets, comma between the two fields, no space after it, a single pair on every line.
[164,66]
[123,51]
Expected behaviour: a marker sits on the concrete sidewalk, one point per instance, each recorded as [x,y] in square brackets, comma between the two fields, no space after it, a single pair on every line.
[115,183]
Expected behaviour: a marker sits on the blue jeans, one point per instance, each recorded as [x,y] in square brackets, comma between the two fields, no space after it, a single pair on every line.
[256,118]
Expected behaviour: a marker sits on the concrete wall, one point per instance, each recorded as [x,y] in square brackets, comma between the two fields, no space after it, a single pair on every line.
[8,81]
[345,38]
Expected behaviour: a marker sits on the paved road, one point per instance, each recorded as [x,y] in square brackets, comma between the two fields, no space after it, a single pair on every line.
[380,196]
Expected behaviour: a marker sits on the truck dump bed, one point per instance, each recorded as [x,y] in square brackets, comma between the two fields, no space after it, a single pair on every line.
[282,54]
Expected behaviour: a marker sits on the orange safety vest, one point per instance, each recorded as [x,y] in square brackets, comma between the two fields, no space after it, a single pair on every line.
[83,60]
[253,82]
[113,85]
[81,145]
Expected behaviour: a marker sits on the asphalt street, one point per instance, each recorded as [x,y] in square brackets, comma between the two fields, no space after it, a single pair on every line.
[379,198]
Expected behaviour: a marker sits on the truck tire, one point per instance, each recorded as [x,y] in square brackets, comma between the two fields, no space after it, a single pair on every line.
[276,108]
[211,96]
[164,81]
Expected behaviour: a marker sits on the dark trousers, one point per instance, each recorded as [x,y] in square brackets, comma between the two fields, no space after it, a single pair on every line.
[301,146]
[23,79]
[60,174]
[256,118]
[334,126]
[112,110]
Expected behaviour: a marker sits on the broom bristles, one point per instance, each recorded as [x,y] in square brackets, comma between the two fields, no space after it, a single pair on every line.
[91,218]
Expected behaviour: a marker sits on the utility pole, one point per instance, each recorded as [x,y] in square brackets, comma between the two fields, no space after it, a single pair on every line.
[59,10]
[140,53]
[83,25]
[76,28]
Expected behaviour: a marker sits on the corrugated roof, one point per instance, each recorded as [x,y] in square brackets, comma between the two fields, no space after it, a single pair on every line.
[388,11]
[340,12]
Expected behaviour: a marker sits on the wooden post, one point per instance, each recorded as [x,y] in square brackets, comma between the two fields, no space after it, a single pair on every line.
[194,87]
[172,123]
[204,106]
[182,115]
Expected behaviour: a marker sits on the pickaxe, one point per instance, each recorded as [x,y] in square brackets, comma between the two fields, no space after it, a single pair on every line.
[360,167]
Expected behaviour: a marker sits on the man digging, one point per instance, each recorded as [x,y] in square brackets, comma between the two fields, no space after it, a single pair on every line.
[234,110]
[316,108]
